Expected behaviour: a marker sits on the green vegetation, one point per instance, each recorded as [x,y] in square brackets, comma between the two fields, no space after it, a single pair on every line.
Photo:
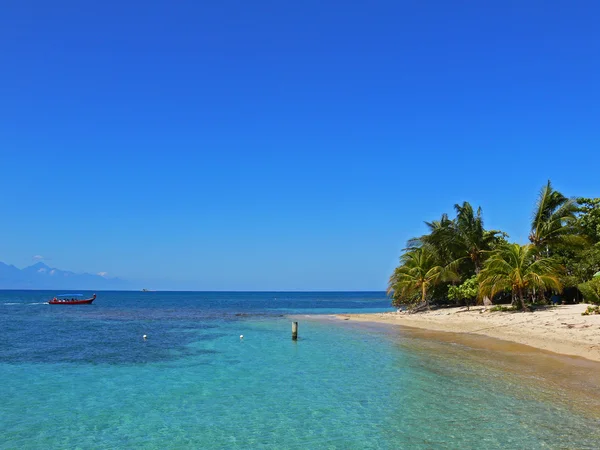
[459,262]
[466,292]
[591,290]
[553,221]
[419,272]
[591,310]
[518,269]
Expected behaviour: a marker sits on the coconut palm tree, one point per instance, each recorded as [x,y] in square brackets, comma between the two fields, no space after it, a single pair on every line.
[473,240]
[418,272]
[440,239]
[552,220]
[518,268]
[460,240]
[461,243]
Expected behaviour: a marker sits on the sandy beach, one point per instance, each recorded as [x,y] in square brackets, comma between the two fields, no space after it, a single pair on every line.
[560,329]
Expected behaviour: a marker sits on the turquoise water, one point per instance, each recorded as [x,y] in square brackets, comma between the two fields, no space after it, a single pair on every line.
[83,377]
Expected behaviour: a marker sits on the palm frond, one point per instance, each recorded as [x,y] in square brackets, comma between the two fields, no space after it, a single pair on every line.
[552,216]
[519,267]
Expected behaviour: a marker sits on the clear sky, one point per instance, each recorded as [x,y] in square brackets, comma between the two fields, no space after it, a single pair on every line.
[273,145]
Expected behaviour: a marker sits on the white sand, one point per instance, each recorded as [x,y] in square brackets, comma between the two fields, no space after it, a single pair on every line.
[559,329]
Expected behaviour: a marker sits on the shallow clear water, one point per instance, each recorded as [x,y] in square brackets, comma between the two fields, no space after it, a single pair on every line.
[83,377]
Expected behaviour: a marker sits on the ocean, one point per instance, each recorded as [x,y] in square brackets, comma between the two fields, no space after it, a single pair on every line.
[82,377]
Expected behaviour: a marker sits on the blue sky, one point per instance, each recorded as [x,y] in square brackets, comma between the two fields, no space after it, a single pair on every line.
[262,145]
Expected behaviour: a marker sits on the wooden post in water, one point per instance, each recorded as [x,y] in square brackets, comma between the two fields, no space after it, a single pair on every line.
[294,331]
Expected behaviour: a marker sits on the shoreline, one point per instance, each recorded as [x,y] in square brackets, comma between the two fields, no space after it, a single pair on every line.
[558,329]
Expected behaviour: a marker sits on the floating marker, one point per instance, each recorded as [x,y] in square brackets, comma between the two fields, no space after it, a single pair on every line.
[241,337]
[145,337]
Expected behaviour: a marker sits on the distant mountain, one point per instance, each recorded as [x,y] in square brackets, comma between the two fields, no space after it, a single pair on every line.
[41,276]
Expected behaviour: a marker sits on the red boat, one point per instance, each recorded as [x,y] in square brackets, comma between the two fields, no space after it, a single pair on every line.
[73,300]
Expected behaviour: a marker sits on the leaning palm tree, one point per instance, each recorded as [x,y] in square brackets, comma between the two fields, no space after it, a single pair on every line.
[518,268]
[552,220]
[418,272]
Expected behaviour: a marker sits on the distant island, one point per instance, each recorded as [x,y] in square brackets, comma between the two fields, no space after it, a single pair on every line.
[41,276]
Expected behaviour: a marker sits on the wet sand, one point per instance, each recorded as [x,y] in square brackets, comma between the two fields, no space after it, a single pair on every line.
[559,329]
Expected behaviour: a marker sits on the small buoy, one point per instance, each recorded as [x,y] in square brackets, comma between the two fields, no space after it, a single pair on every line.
[144,336]
[241,337]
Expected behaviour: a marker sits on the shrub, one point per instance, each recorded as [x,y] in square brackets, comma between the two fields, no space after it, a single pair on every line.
[591,290]
[591,310]
[466,291]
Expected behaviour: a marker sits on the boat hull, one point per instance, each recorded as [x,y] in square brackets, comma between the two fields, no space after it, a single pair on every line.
[87,301]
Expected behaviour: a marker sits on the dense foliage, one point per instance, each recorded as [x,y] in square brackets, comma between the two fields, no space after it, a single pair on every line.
[465,292]
[420,270]
[460,262]
[591,290]
[518,269]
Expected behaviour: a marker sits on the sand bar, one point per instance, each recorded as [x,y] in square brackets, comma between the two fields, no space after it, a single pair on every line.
[560,329]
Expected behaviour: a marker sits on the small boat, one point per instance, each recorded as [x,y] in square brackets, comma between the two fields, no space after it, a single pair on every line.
[71,299]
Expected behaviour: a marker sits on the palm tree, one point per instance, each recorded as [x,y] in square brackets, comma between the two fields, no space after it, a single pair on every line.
[461,239]
[418,272]
[473,240]
[440,239]
[461,243]
[552,219]
[518,268]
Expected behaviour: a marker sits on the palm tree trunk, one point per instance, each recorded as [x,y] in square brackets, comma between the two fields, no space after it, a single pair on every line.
[424,295]
[521,299]
[486,300]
